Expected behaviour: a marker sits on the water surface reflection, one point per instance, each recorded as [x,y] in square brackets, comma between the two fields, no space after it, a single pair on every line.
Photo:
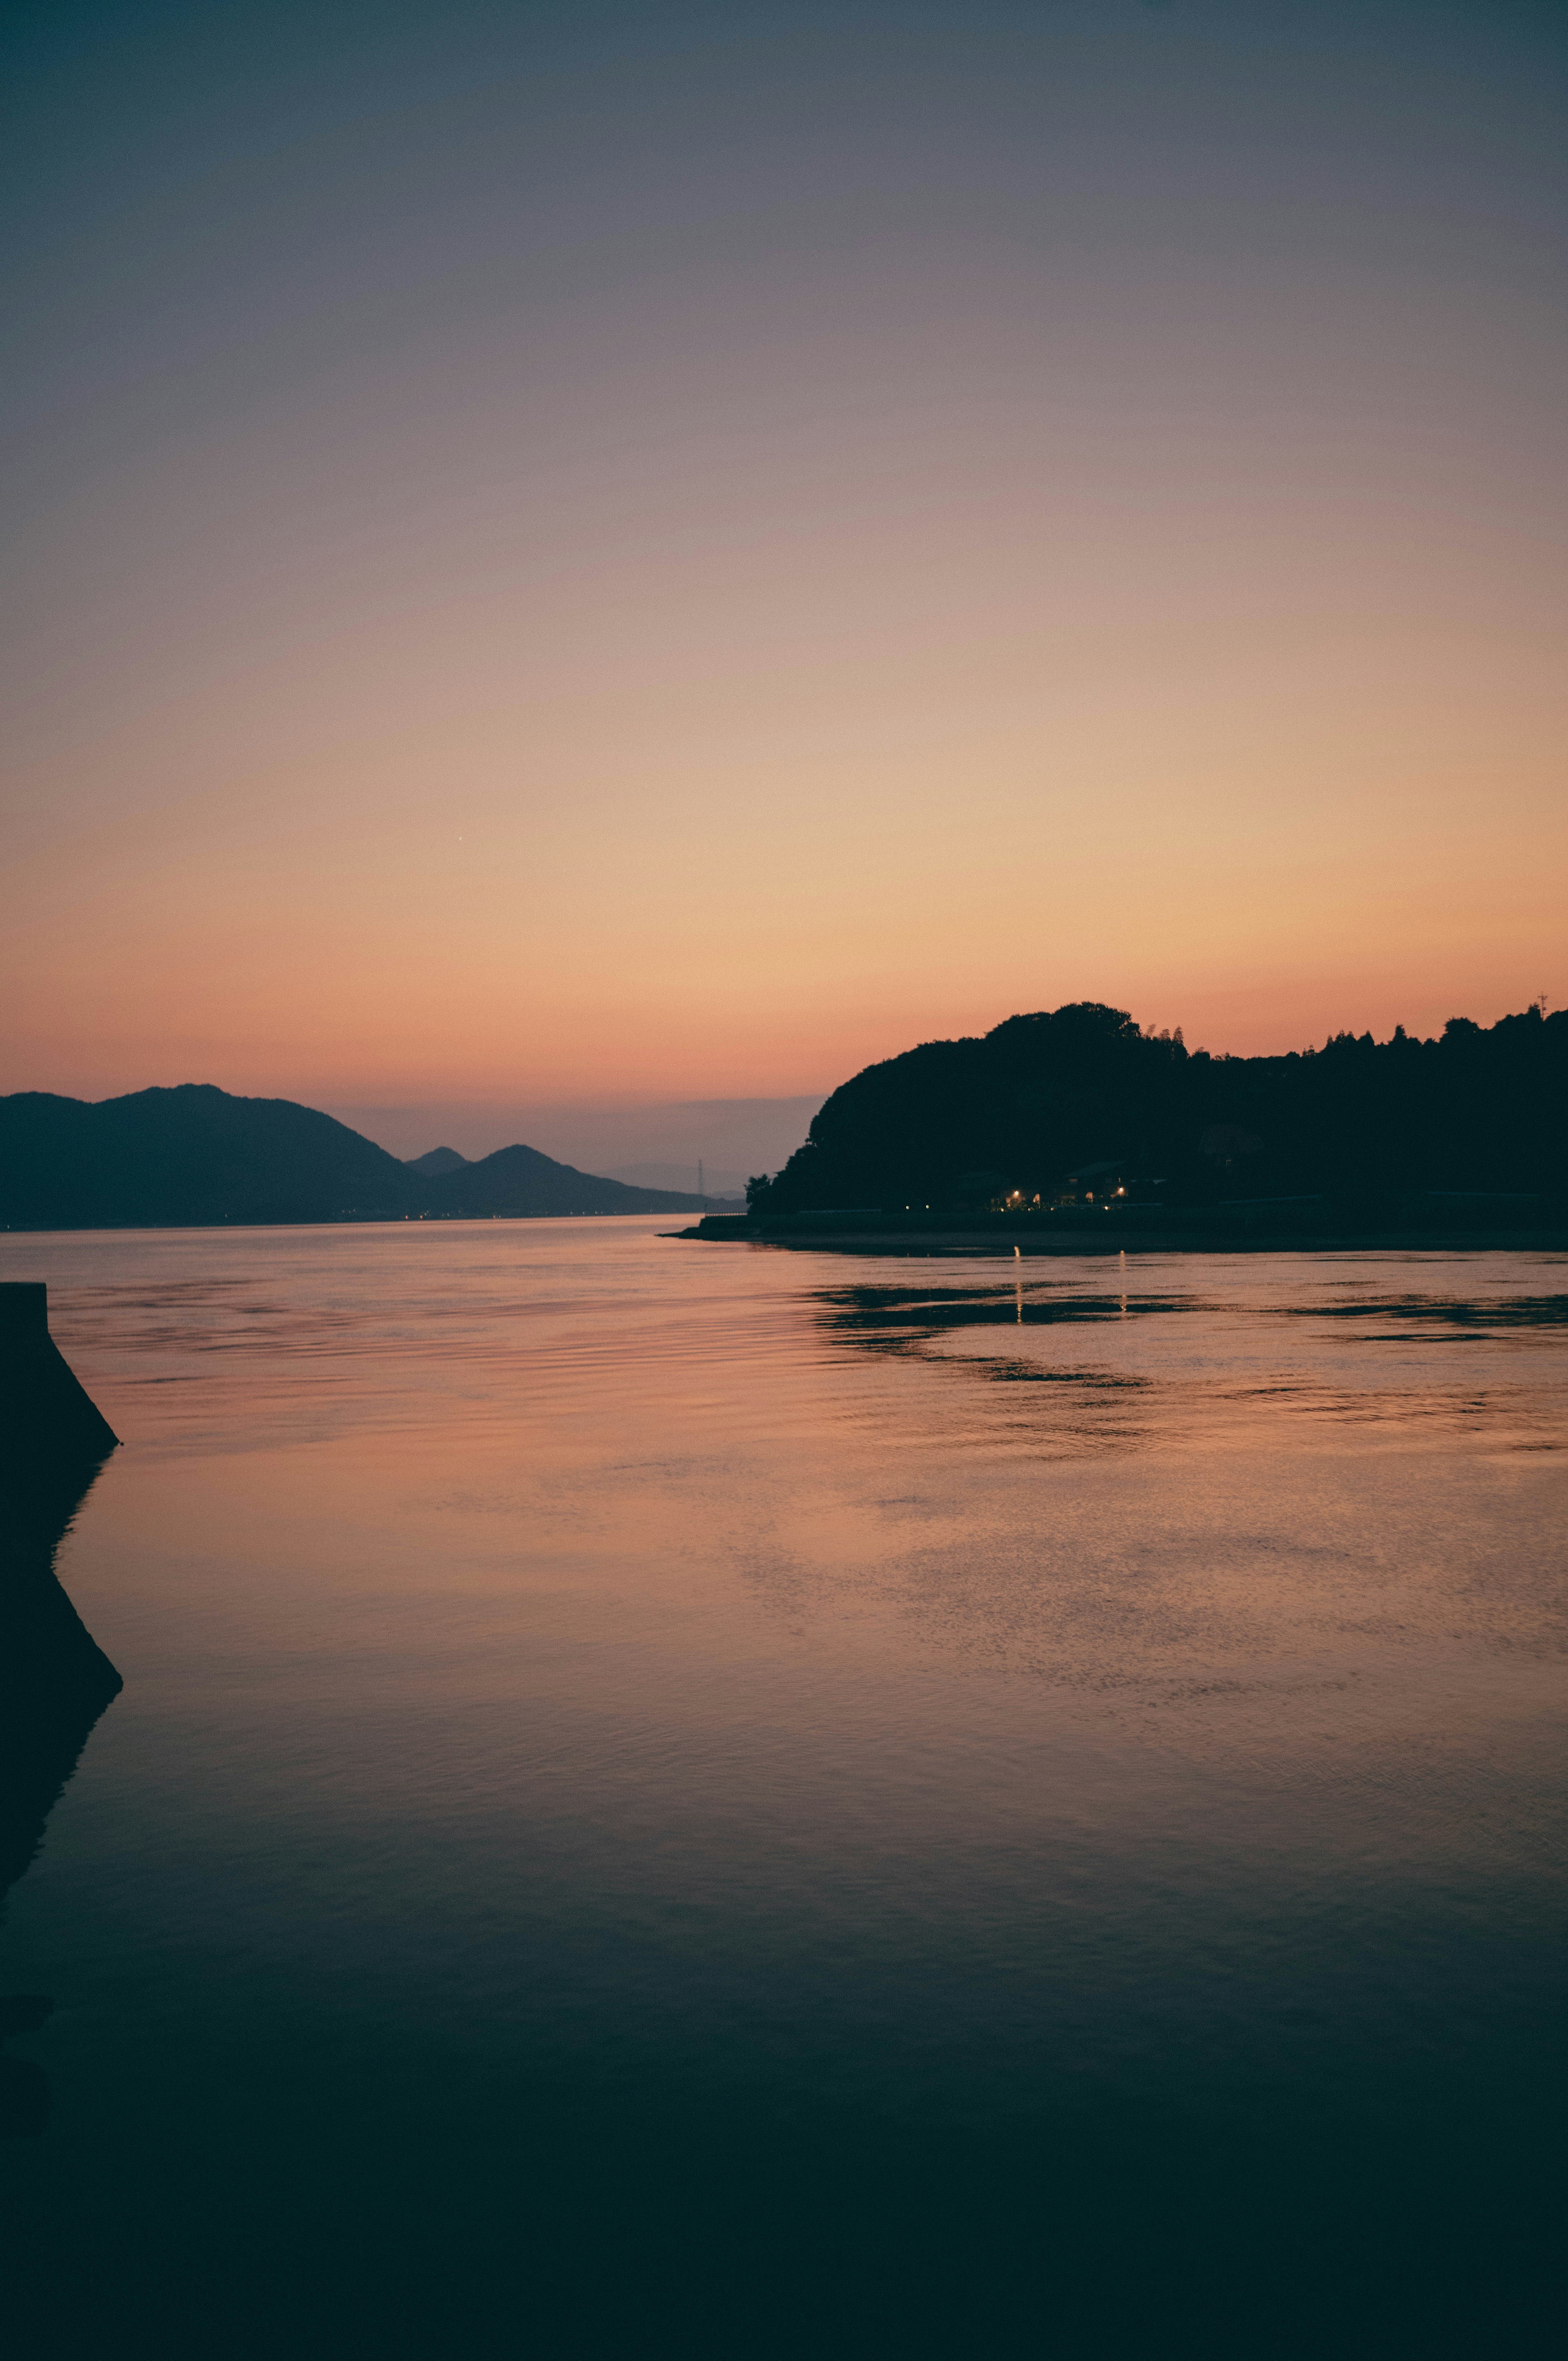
[783,1807]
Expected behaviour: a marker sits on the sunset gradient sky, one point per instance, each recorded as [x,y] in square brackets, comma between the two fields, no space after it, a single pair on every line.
[580,552]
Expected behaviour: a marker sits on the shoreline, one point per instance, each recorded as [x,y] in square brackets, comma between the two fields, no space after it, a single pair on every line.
[1037,1244]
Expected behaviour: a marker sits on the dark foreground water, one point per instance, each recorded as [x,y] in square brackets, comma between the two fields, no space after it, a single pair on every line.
[687,1799]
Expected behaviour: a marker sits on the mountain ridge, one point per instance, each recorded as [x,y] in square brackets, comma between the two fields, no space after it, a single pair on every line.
[436,1161]
[198,1156]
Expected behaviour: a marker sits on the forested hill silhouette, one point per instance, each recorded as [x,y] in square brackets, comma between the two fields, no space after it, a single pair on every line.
[195,1154]
[1021,1113]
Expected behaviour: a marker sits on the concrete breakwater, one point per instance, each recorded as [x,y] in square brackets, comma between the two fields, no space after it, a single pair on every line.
[53,1442]
[46,1414]
[55,1680]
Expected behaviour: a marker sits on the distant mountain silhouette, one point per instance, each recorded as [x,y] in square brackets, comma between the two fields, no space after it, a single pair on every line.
[196,1155]
[435,1161]
[193,1154]
[521,1181]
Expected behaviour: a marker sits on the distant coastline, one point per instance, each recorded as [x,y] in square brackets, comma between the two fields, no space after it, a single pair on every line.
[1065,1131]
[327,1221]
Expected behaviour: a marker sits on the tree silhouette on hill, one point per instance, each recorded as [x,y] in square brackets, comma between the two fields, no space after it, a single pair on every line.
[1017,1114]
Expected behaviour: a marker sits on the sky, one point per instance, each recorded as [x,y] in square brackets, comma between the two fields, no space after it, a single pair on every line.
[588,557]
[652,1143]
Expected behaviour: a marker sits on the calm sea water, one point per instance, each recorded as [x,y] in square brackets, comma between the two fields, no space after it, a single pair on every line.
[680,1798]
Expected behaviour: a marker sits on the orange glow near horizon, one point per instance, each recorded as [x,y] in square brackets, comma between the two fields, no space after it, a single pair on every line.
[743,659]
